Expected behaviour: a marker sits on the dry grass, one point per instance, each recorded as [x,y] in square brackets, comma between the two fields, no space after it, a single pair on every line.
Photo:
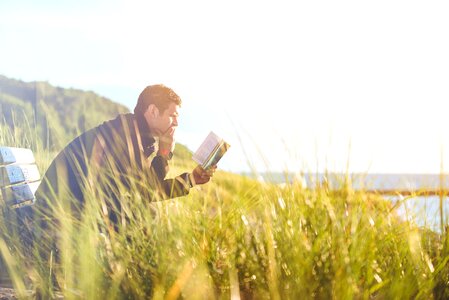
[236,237]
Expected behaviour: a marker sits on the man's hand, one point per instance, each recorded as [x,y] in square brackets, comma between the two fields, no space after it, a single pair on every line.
[201,176]
[167,142]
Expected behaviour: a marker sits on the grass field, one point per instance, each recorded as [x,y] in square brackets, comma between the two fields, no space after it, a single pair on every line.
[234,238]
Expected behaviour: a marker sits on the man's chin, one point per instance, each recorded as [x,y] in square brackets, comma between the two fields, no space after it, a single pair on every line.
[169,130]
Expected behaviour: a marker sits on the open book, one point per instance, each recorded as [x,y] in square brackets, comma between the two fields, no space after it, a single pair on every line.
[211,151]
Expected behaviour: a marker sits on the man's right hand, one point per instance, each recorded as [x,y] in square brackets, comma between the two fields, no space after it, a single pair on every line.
[167,143]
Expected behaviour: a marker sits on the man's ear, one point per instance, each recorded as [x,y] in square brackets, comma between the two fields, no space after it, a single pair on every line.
[153,111]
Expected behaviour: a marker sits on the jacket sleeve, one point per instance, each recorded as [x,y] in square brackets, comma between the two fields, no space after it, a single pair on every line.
[168,188]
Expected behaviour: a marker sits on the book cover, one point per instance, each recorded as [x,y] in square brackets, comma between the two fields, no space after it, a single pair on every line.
[210,151]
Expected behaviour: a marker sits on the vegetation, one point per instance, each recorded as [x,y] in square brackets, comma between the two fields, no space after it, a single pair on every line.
[237,237]
[55,113]
[234,237]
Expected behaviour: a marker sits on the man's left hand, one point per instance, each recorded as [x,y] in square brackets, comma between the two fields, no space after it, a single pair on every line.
[202,176]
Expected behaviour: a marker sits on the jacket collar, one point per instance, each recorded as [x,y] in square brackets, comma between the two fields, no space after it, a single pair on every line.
[148,141]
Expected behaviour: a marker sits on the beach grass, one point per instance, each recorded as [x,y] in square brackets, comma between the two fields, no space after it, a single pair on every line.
[235,237]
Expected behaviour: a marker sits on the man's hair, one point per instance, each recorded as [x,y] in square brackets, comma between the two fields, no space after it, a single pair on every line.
[159,95]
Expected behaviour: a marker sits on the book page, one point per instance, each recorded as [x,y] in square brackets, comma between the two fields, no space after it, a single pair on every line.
[207,147]
[217,155]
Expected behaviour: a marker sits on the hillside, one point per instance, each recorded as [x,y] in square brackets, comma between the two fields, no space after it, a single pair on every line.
[56,113]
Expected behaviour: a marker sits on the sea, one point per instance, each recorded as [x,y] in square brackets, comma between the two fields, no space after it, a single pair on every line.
[400,189]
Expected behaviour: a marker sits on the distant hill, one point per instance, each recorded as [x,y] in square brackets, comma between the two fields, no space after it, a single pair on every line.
[56,113]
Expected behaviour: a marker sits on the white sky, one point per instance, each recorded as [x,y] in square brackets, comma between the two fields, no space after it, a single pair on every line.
[298,81]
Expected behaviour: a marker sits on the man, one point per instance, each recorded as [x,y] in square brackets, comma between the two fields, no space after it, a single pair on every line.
[128,153]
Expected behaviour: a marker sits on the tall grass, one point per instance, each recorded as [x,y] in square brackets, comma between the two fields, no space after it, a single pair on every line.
[233,238]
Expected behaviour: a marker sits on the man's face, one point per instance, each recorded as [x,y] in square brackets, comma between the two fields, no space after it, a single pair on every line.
[163,123]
